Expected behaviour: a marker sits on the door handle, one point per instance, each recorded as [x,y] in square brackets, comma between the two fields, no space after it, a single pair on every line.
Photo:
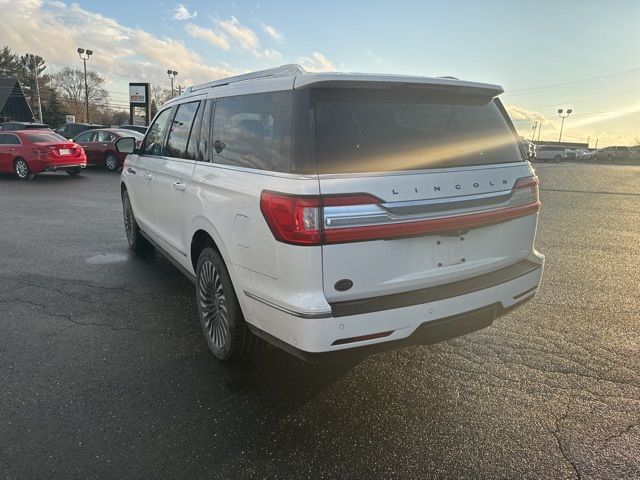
[104,145]
[131,170]
[148,176]
[181,187]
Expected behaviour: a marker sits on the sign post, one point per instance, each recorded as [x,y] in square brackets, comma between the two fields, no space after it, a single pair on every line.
[139,97]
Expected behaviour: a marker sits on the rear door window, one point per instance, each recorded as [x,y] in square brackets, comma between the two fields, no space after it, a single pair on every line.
[370,130]
[181,129]
[254,131]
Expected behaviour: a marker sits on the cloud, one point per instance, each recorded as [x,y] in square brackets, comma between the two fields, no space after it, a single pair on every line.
[270,54]
[233,31]
[273,33]
[121,53]
[181,12]
[518,113]
[208,35]
[316,63]
[373,57]
[246,37]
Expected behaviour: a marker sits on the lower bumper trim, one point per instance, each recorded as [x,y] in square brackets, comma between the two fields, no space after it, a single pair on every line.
[428,333]
[433,294]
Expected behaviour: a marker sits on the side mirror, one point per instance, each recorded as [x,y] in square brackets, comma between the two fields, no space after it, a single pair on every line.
[126,145]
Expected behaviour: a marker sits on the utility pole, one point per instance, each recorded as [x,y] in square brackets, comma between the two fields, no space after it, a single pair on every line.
[596,143]
[35,72]
[539,130]
[172,75]
[560,110]
[533,135]
[84,55]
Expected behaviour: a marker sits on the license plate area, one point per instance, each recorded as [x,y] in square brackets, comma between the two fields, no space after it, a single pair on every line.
[445,251]
[64,151]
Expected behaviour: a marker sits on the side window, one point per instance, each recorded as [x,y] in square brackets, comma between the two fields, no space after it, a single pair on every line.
[154,140]
[11,139]
[254,131]
[105,137]
[199,148]
[180,129]
[85,137]
[194,138]
[3,136]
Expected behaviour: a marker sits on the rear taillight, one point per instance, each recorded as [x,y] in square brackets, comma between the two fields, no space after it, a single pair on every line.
[525,191]
[292,219]
[298,219]
[325,219]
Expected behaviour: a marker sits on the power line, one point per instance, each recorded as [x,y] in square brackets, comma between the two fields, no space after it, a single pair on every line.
[572,83]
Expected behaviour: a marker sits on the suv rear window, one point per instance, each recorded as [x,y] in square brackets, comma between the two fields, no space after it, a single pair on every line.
[408,129]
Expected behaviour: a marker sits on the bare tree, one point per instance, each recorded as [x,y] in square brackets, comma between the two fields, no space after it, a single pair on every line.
[70,81]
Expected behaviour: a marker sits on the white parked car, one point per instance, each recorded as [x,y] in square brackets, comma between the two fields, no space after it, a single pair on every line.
[549,153]
[337,214]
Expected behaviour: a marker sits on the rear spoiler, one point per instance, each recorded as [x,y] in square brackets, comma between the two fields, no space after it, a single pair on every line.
[357,80]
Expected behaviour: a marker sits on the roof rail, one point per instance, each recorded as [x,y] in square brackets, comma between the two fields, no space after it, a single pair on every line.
[281,71]
[449,77]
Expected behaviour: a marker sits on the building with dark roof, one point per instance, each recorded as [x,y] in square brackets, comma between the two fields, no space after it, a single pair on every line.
[13,104]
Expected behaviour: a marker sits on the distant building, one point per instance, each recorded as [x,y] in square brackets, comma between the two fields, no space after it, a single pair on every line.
[13,104]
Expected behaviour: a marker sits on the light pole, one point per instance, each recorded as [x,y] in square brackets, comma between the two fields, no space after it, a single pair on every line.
[172,75]
[84,55]
[560,110]
[533,135]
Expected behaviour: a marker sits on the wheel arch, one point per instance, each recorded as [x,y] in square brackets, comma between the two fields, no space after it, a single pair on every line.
[204,234]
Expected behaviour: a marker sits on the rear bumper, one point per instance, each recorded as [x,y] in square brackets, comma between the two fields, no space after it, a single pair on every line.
[427,333]
[63,166]
[436,319]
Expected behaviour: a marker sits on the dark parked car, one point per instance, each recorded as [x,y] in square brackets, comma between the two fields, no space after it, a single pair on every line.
[70,130]
[100,146]
[136,128]
[12,126]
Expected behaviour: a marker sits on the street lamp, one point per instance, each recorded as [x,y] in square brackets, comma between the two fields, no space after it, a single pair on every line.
[172,75]
[84,55]
[560,114]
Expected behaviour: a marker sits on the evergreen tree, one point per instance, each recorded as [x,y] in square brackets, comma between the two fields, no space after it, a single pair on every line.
[9,64]
[53,113]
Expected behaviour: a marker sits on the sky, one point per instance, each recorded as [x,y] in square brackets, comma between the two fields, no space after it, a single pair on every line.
[583,55]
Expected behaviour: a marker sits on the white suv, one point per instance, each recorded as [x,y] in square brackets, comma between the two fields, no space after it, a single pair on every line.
[337,214]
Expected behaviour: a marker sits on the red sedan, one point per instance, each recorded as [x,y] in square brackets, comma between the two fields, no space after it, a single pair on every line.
[100,146]
[27,152]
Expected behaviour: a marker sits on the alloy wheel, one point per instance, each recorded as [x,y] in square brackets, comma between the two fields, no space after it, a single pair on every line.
[111,162]
[213,306]
[128,221]
[22,170]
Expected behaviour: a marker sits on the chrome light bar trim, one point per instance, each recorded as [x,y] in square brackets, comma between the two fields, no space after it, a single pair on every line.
[391,213]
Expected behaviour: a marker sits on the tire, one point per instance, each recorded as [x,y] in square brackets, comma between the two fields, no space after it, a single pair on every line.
[556,159]
[21,170]
[221,319]
[111,162]
[74,171]
[136,241]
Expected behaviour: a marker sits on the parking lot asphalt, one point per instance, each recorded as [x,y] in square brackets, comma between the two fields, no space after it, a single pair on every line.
[104,372]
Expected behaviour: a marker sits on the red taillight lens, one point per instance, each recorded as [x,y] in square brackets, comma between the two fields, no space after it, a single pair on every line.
[298,219]
[292,219]
[525,191]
